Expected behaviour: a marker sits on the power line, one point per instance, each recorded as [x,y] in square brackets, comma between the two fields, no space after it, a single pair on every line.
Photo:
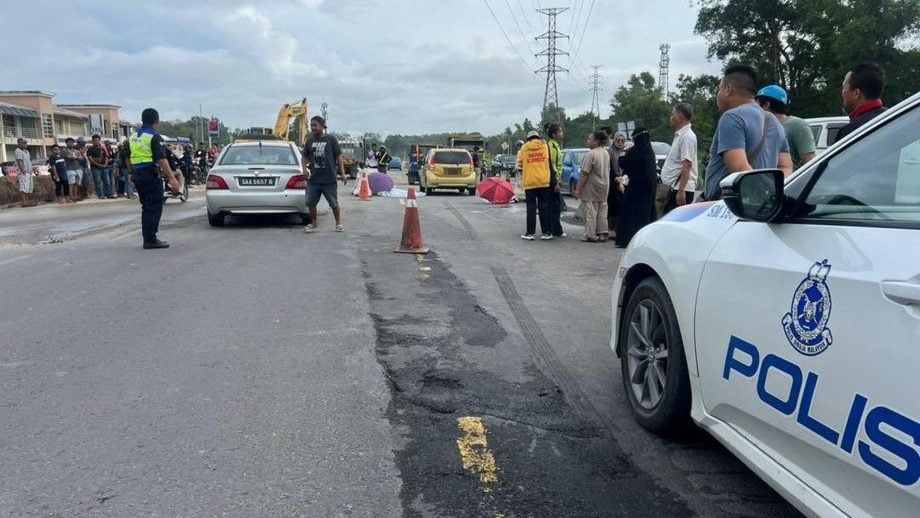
[518,24]
[551,93]
[576,14]
[584,29]
[524,15]
[489,7]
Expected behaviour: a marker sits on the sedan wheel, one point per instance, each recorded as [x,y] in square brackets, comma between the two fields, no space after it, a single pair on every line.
[654,366]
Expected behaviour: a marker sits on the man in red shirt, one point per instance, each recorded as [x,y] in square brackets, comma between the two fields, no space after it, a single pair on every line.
[862,92]
[212,155]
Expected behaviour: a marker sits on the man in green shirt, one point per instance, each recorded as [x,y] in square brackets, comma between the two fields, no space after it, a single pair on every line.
[801,140]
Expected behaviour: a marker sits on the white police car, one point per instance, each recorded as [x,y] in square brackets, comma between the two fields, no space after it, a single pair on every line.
[785,320]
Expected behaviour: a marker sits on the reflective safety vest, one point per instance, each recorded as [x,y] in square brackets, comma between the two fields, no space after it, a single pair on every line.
[141,144]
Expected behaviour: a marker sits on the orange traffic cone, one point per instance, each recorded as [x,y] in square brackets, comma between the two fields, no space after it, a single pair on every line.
[412,231]
[364,191]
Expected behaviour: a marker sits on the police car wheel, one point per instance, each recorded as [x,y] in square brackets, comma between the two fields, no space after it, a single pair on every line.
[653,362]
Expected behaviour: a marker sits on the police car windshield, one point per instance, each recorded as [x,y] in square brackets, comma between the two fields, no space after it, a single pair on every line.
[874,180]
[259,155]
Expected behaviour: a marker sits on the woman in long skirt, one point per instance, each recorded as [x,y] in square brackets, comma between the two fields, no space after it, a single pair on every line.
[638,186]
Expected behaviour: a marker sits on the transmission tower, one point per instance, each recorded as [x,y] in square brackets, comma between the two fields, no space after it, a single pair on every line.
[551,94]
[595,97]
[664,64]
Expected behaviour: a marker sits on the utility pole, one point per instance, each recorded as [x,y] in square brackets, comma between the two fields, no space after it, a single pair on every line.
[595,98]
[550,93]
[200,124]
[664,64]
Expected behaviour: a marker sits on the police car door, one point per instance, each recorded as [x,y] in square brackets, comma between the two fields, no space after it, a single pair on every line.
[808,331]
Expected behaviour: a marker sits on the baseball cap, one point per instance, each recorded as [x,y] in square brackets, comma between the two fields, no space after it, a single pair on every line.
[533,134]
[774,92]
[81,139]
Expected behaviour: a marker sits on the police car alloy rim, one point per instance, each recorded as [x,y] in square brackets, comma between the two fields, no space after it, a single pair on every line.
[647,354]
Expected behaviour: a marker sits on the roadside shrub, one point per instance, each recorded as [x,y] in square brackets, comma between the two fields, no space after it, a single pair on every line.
[9,189]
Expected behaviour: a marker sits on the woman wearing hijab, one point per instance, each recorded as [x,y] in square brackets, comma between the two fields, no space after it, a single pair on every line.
[638,187]
[615,196]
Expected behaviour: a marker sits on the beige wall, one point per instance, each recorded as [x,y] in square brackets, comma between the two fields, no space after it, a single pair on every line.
[39,103]
[109,114]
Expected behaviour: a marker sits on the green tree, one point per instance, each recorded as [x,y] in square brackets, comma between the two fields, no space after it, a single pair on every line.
[808,45]
[700,92]
[642,101]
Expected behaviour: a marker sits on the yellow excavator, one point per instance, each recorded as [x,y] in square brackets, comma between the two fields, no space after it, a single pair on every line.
[294,110]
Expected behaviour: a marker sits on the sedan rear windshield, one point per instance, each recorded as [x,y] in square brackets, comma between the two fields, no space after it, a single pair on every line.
[259,155]
[452,157]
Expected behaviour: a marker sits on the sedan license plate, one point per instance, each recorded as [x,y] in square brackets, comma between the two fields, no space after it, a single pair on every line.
[451,170]
[254,181]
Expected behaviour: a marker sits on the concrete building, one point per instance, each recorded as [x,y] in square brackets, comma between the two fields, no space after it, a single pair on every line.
[103,119]
[32,115]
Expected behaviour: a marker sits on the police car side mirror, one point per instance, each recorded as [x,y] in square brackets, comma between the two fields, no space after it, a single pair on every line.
[754,195]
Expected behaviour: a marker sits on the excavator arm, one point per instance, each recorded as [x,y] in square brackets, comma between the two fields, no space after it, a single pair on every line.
[295,110]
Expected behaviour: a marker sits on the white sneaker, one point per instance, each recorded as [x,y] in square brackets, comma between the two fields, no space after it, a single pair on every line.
[527,237]
[546,237]
[340,228]
[309,229]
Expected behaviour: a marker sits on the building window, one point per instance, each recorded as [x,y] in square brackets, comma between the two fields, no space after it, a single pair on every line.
[47,126]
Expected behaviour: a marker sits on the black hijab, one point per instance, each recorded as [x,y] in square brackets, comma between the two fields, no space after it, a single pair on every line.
[640,158]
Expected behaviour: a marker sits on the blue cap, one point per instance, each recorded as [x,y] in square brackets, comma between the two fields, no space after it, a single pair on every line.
[774,92]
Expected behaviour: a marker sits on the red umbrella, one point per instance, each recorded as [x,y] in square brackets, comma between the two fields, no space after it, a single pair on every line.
[496,190]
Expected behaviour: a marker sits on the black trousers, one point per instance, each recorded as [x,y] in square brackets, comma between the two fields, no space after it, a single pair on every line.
[150,192]
[62,188]
[538,199]
[555,213]
[671,203]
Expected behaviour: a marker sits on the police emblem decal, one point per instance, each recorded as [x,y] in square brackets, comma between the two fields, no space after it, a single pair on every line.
[806,323]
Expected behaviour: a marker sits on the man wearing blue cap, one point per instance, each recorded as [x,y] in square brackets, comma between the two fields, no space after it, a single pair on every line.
[774,99]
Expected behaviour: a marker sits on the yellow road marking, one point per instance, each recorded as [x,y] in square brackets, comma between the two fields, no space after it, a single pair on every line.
[474,450]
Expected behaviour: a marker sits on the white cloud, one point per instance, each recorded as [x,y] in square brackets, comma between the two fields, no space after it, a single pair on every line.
[267,46]
[400,66]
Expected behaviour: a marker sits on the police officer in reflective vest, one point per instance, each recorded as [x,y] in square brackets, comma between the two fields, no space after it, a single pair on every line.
[147,159]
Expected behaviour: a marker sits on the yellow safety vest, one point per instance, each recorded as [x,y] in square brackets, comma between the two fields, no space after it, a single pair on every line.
[141,144]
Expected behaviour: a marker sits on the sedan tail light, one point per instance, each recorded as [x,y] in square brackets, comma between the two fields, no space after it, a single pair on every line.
[215,182]
[298,182]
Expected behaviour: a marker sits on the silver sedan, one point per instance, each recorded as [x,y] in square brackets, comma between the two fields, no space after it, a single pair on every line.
[256,177]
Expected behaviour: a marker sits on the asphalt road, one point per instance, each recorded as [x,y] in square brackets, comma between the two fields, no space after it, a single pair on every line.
[254,370]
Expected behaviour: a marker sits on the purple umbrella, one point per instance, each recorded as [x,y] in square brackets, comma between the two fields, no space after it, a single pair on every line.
[379,182]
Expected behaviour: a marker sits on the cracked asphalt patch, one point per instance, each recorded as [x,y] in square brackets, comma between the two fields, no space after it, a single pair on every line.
[446,357]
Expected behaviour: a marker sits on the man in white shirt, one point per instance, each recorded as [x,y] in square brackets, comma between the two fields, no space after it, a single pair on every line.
[24,163]
[679,171]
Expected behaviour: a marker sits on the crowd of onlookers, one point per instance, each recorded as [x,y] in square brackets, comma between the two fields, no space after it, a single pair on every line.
[101,168]
[620,187]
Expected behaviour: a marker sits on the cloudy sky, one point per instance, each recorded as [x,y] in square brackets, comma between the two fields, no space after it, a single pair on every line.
[395,66]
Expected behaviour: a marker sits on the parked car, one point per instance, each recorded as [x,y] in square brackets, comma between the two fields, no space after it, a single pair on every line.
[661,150]
[503,163]
[571,168]
[395,164]
[825,130]
[41,167]
[722,314]
[256,177]
[448,168]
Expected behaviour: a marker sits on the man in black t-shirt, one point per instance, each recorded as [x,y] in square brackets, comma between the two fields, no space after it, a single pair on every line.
[321,158]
